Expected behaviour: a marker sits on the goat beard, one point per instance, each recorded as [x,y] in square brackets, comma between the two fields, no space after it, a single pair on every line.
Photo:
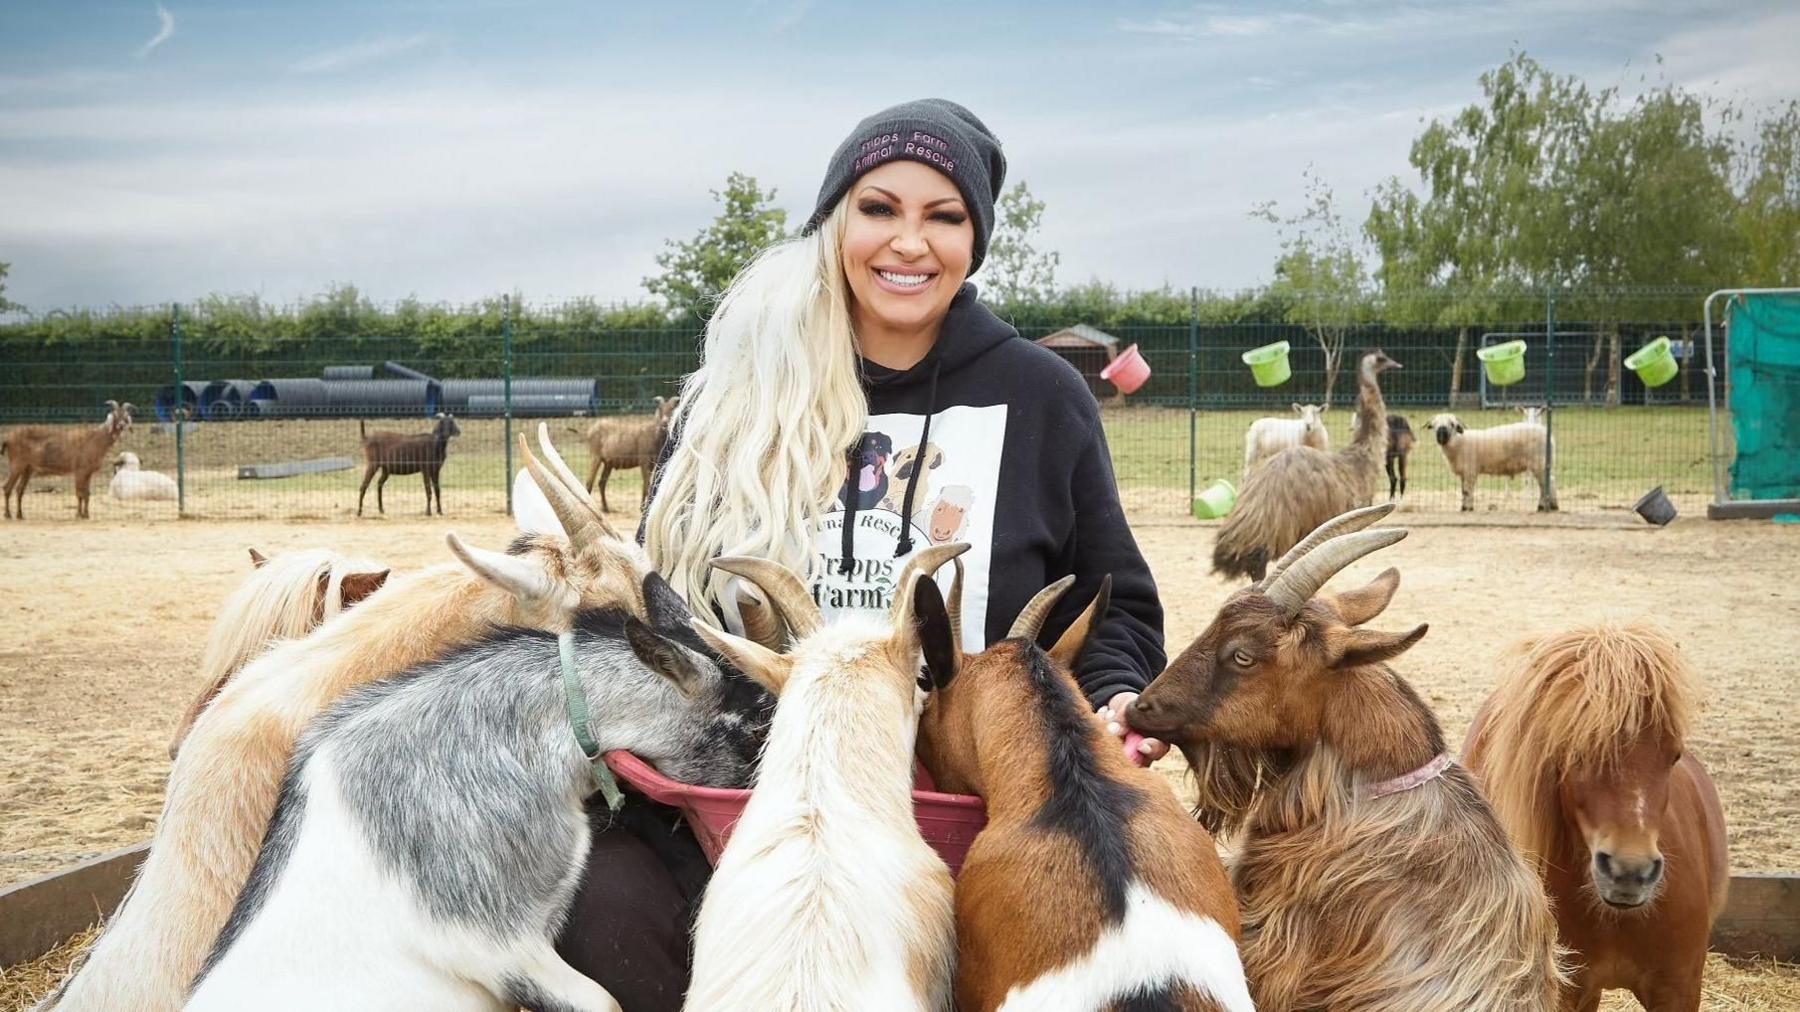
[1228,780]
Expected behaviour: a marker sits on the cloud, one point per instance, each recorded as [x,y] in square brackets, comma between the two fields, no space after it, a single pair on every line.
[361,53]
[164,32]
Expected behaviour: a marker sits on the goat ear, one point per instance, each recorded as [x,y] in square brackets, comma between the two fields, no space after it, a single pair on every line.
[258,559]
[1075,639]
[937,636]
[510,573]
[1296,408]
[763,666]
[1365,602]
[664,657]
[664,608]
[357,586]
[1366,646]
[1459,427]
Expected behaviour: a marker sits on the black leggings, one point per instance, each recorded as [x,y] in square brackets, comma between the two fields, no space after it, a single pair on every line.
[631,923]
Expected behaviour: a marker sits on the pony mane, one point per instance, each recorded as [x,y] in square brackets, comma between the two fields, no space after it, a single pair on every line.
[279,600]
[1577,699]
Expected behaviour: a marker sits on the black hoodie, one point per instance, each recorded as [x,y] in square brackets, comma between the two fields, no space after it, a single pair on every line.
[1014,462]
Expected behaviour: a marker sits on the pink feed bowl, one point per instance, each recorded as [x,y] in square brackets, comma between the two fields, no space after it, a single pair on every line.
[1128,371]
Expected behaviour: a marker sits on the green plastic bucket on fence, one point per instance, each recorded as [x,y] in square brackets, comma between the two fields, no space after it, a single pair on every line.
[1653,363]
[1215,500]
[1505,363]
[1269,364]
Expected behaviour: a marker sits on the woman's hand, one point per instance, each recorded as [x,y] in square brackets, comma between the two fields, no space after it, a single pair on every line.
[1140,750]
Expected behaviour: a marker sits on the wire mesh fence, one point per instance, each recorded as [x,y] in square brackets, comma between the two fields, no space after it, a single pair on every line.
[256,420]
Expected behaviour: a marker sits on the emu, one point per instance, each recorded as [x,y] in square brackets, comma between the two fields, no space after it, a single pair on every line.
[420,453]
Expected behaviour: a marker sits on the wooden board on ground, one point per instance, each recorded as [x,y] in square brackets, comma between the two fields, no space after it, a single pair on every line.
[290,468]
[36,916]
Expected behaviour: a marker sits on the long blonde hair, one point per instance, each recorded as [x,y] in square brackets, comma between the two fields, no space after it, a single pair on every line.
[764,423]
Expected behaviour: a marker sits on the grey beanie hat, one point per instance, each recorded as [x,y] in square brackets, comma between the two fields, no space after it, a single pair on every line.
[933,131]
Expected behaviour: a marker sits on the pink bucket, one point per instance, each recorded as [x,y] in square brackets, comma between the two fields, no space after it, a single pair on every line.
[948,822]
[1128,371]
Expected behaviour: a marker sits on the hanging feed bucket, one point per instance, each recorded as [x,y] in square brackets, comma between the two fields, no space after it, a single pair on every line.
[1269,364]
[1655,507]
[1215,501]
[1653,363]
[1128,371]
[1505,363]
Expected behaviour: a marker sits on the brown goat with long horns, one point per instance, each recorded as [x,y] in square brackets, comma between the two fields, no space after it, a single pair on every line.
[1085,857]
[41,449]
[1372,873]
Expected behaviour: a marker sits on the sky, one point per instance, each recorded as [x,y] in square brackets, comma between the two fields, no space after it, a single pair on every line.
[160,152]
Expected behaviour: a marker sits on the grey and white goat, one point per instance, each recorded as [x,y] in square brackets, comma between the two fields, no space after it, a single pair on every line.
[430,835]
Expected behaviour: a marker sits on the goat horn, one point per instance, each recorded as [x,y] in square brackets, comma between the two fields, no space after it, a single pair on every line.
[760,622]
[793,602]
[561,470]
[955,604]
[924,563]
[1343,523]
[1299,582]
[1031,618]
[577,522]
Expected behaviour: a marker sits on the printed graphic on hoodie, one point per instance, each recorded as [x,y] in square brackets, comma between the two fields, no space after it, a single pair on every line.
[957,473]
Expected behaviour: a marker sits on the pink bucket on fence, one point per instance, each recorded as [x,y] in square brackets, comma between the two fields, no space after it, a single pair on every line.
[948,822]
[1128,371]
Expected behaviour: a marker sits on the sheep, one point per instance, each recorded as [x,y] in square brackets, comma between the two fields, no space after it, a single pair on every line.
[284,598]
[225,782]
[1372,873]
[1509,450]
[827,897]
[1301,487]
[420,453]
[625,443]
[1268,436]
[1136,874]
[35,449]
[406,867]
[131,481]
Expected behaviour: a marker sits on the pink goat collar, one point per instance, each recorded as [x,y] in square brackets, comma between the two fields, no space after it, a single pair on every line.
[1407,781]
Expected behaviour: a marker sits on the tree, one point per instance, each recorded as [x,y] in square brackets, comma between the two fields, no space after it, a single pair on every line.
[1016,271]
[1320,272]
[695,273]
[5,306]
[1768,217]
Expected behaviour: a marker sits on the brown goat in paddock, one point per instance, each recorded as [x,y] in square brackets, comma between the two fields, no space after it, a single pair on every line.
[40,449]
[1372,873]
[625,443]
[1133,873]
[420,453]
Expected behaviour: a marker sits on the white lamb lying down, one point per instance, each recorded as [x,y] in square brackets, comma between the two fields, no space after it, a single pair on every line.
[132,482]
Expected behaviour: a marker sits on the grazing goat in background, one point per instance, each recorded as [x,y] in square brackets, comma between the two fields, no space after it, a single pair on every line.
[1582,750]
[1300,488]
[1507,450]
[827,897]
[625,443]
[131,482]
[284,598]
[1268,436]
[223,787]
[407,868]
[1372,873]
[420,453]
[40,449]
[1139,912]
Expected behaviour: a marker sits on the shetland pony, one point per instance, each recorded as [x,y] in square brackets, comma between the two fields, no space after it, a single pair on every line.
[1581,749]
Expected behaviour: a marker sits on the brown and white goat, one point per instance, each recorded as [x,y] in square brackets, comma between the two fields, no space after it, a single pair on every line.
[625,443]
[41,449]
[827,897]
[420,453]
[1090,888]
[1372,873]
[224,785]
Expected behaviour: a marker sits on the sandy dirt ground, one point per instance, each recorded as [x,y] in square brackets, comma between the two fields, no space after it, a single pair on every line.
[102,623]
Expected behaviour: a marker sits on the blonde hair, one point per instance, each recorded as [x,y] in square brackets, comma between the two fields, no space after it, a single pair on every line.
[764,423]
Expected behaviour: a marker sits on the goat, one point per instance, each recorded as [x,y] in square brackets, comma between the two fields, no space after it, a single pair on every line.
[1268,436]
[1300,488]
[41,449]
[827,897]
[625,443]
[1139,913]
[406,867]
[1399,448]
[420,453]
[284,598]
[1508,450]
[224,784]
[1372,873]
[131,481]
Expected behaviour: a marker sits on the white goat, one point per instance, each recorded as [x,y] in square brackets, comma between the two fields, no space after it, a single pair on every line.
[827,898]
[130,481]
[1268,436]
[1506,450]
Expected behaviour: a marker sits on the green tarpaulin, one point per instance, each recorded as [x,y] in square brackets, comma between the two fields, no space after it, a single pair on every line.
[1763,344]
